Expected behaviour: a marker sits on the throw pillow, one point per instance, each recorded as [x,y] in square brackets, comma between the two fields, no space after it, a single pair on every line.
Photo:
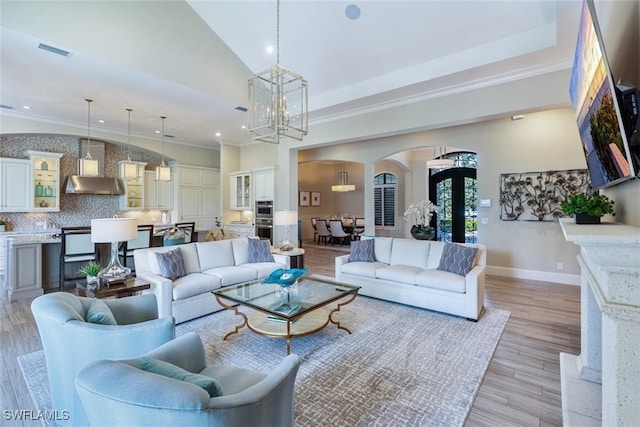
[259,251]
[362,251]
[457,259]
[170,370]
[171,264]
[98,312]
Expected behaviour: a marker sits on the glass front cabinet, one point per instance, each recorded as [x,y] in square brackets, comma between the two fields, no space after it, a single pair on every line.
[133,197]
[241,191]
[45,180]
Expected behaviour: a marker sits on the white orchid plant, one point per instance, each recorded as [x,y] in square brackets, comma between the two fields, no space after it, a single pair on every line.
[421,212]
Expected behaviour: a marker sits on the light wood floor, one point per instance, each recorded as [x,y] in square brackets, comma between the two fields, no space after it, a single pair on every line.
[521,387]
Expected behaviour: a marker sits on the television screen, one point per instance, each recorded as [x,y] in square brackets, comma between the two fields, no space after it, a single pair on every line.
[596,107]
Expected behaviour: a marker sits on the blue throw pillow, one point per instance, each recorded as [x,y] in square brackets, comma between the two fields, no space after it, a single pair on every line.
[98,312]
[167,369]
[171,264]
[457,259]
[260,251]
[362,250]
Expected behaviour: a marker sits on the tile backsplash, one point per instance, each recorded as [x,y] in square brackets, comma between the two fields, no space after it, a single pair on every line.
[75,209]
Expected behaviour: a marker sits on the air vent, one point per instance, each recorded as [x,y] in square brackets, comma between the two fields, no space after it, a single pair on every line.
[244,109]
[169,136]
[55,50]
[7,107]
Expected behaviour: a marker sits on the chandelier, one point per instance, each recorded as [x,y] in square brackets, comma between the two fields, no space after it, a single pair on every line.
[163,172]
[440,162]
[87,165]
[128,169]
[277,101]
[343,185]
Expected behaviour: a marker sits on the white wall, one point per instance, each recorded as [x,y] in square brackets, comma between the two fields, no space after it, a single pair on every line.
[543,141]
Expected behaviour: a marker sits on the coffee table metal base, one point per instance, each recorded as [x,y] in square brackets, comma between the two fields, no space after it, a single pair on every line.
[310,323]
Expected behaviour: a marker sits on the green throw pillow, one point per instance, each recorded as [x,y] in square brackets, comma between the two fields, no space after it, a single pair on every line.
[100,313]
[167,369]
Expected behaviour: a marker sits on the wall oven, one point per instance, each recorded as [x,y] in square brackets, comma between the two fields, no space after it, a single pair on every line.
[264,220]
[264,209]
[264,229]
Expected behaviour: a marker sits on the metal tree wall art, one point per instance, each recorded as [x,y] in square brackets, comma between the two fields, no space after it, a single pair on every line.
[537,196]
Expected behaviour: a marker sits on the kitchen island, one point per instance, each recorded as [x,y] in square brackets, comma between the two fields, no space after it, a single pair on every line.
[30,262]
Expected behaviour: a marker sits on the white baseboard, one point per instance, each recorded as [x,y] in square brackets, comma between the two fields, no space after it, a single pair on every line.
[544,276]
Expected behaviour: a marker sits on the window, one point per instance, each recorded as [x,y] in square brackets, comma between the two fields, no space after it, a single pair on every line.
[384,194]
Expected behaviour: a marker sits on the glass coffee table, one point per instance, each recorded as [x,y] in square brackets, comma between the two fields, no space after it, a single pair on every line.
[301,309]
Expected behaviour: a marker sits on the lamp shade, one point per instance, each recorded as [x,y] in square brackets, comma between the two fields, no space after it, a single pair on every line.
[108,230]
[285,217]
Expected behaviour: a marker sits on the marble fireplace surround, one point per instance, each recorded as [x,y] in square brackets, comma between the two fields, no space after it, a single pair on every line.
[601,386]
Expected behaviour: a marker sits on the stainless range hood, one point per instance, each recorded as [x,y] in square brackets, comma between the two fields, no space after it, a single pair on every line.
[77,184]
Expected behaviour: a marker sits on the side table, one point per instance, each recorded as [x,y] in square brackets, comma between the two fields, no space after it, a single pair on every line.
[130,287]
[296,256]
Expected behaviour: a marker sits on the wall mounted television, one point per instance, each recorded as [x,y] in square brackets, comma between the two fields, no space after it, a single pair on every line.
[597,108]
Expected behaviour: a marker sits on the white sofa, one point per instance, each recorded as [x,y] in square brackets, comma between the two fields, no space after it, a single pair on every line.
[209,266]
[406,271]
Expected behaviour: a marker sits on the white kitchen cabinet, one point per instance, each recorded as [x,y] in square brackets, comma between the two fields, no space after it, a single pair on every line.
[263,182]
[240,191]
[24,270]
[133,197]
[198,197]
[16,184]
[157,194]
[45,181]
[232,231]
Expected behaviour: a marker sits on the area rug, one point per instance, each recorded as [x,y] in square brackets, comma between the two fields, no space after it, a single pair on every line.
[400,366]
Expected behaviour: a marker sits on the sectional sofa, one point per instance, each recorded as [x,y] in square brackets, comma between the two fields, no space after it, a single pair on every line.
[207,267]
[438,276]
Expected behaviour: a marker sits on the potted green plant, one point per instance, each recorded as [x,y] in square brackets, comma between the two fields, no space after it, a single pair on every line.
[3,223]
[91,270]
[588,208]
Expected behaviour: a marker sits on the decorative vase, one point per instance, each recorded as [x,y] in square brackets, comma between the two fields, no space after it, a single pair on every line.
[587,219]
[428,234]
[93,282]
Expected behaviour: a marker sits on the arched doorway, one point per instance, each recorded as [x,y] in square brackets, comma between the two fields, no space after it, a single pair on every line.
[454,190]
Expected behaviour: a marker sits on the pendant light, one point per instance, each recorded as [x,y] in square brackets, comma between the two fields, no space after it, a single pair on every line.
[163,172]
[87,165]
[440,162]
[343,185]
[128,169]
[277,101]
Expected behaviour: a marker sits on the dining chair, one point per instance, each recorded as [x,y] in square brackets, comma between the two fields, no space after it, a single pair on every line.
[76,247]
[189,229]
[315,229]
[323,231]
[338,233]
[143,240]
[358,229]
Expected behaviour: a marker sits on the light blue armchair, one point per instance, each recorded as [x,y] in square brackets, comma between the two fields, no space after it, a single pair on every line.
[121,393]
[69,342]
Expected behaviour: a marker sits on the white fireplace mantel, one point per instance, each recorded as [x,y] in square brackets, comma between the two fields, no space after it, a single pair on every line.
[602,385]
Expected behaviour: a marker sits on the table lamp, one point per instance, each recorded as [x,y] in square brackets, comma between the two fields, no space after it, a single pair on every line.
[285,218]
[114,231]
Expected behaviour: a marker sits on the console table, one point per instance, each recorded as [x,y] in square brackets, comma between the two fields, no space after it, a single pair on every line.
[601,386]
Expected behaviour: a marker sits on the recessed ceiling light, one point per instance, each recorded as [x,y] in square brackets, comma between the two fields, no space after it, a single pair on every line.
[157,131]
[26,107]
[100,121]
[352,12]
[218,133]
[517,117]
[243,126]
[269,49]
